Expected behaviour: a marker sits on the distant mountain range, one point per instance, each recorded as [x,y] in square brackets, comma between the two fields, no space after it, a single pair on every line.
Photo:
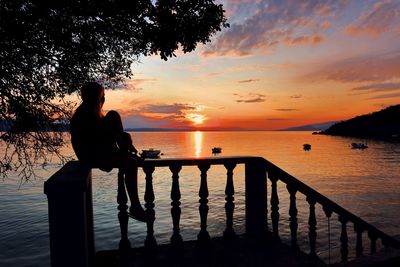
[383,124]
[311,127]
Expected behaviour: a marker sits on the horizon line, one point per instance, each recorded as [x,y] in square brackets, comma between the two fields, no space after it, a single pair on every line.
[140,129]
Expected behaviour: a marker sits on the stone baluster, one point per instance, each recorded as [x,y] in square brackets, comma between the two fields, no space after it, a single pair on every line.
[328,212]
[359,246]
[150,241]
[293,214]
[373,237]
[274,205]
[203,237]
[176,239]
[344,239]
[312,226]
[229,232]
[123,217]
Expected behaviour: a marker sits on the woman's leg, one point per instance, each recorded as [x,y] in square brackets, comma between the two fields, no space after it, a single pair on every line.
[127,163]
[130,169]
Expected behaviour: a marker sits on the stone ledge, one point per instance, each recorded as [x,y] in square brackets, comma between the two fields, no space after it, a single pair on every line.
[240,252]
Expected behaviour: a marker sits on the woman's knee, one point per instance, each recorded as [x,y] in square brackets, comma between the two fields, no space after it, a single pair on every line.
[129,162]
[113,120]
[113,115]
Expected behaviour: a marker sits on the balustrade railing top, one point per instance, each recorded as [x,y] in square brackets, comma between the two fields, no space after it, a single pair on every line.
[163,162]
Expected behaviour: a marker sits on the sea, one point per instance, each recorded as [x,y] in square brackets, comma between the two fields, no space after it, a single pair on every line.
[366,182]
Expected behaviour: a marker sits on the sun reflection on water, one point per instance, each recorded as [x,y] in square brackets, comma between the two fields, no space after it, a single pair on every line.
[198,142]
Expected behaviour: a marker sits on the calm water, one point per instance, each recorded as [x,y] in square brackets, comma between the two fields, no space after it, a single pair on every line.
[366,182]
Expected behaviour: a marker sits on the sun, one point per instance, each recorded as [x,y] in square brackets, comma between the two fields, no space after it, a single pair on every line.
[196,119]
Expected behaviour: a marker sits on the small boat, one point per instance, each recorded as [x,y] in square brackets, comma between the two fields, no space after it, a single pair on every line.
[358,146]
[216,150]
[307,147]
[150,153]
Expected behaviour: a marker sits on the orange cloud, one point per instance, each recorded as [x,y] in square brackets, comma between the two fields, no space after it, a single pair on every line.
[166,115]
[304,40]
[296,96]
[252,98]
[248,81]
[286,109]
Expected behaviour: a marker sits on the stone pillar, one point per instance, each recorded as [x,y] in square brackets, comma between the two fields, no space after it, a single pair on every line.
[69,194]
[256,198]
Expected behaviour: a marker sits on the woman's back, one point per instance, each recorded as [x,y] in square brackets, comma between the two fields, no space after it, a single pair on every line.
[88,135]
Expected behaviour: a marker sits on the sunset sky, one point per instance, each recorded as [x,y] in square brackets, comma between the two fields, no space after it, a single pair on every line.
[280,64]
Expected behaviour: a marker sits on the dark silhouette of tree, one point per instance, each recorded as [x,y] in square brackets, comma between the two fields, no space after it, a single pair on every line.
[49,48]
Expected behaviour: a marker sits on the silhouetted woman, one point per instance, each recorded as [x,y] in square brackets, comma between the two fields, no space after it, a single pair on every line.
[99,141]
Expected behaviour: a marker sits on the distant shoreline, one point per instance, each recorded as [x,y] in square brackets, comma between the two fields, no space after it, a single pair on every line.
[395,139]
[208,130]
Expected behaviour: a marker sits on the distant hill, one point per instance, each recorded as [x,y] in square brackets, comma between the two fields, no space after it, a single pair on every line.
[311,127]
[383,124]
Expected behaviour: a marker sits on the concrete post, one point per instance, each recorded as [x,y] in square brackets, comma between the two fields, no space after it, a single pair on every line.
[69,194]
[256,198]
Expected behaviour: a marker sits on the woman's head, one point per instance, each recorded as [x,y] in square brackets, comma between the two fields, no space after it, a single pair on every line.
[92,94]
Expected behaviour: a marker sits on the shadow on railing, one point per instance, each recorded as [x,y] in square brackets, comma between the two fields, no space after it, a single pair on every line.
[70,199]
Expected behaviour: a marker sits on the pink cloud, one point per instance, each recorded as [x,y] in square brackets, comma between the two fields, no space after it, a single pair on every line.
[379,20]
[134,84]
[269,23]
[325,25]
[391,95]
[377,87]
[371,68]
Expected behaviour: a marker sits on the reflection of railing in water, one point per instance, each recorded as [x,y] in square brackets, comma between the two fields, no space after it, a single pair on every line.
[257,171]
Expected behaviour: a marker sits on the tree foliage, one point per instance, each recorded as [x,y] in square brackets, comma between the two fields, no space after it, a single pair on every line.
[49,48]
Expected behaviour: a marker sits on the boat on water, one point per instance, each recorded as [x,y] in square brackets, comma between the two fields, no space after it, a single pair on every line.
[307,147]
[216,150]
[150,153]
[358,146]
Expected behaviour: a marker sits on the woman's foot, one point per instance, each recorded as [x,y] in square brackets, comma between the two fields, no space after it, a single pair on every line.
[139,214]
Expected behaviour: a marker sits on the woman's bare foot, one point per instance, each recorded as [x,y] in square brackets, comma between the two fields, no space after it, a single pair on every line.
[138,213]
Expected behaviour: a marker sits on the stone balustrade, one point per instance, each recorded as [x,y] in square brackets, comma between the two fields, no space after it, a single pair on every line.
[70,207]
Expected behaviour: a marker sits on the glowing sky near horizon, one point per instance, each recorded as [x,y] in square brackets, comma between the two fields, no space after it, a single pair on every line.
[279,64]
